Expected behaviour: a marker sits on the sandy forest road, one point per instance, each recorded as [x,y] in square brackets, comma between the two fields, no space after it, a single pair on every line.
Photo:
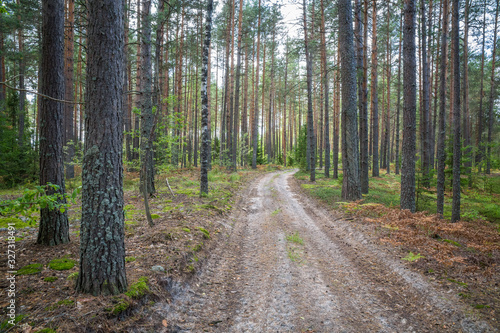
[337,280]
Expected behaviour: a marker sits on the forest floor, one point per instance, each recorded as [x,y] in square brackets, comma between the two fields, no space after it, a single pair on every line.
[260,254]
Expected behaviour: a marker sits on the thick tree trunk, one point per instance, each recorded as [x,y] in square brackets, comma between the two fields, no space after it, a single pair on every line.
[351,187]
[54,228]
[441,152]
[102,248]
[205,133]
[409,108]
[457,143]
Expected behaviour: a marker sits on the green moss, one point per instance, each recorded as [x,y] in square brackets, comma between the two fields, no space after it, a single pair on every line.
[129,259]
[155,216]
[186,229]
[62,264]
[463,284]
[139,288]
[119,307]
[50,279]
[30,269]
[481,306]
[18,223]
[66,302]
[4,325]
[72,276]
[452,242]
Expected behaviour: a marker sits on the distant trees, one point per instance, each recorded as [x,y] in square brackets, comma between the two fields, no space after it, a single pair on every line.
[263,85]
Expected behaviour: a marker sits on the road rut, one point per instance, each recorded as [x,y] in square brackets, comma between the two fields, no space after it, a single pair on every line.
[287,265]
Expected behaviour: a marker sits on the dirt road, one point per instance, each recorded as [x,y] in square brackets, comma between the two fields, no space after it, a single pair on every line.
[286,265]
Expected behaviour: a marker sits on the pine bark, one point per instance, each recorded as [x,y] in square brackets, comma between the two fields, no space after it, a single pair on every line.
[409,108]
[466,121]
[145,98]
[374,94]
[363,110]
[457,140]
[480,117]
[255,129]
[325,85]
[425,100]
[441,152]
[398,107]
[54,227]
[351,186]
[102,249]
[310,119]
[69,139]
[491,118]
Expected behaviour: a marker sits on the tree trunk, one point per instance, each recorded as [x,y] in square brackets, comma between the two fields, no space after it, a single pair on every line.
[425,101]
[363,110]
[387,160]
[325,85]
[399,94]
[457,143]
[205,133]
[409,108]
[310,120]
[147,175]
[102,249]
[441,152]
[491,119]
[68,95]
[22,92]
[237,89]
[466,122]
[351,187]
[480,120]
[255,129]
[54,228]
[374,93]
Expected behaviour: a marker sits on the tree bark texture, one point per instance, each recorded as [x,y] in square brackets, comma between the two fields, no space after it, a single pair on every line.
[145,97]
[54,228]
[441,152]
[351,187]
[407,200]
[102,249]
[457,143]
[205,133]
[374,94]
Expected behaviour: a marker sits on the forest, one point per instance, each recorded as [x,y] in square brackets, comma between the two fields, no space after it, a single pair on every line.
[108,107]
